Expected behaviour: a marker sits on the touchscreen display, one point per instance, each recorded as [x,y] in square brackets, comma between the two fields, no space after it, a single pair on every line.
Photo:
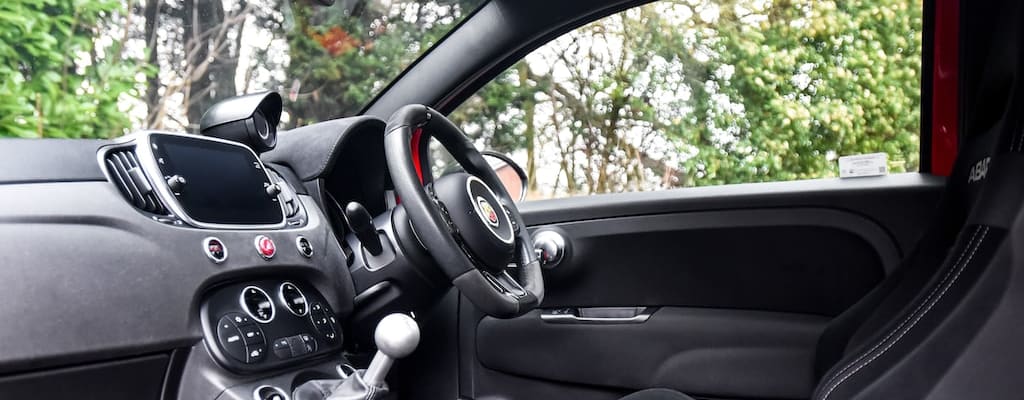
[224,183]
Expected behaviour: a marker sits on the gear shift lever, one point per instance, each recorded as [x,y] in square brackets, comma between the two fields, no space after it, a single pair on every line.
[397,335]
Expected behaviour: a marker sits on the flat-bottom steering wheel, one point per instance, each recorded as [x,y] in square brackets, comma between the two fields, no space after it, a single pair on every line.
[467,221]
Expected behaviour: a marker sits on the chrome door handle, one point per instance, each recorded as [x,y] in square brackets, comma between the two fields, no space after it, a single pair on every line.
[598,315]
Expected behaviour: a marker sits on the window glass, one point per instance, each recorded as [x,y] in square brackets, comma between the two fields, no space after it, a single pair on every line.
[103,68]
[692,93]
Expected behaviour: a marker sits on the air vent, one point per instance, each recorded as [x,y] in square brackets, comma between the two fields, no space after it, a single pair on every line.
[124,170]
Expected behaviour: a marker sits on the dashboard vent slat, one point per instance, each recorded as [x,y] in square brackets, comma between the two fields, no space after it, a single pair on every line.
[125,172]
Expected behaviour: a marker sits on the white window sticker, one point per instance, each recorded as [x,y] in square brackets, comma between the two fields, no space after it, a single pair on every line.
[873,164]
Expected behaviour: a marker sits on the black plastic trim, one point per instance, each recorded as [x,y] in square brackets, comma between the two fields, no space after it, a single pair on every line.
[896,202]
[49,160]
[138,378]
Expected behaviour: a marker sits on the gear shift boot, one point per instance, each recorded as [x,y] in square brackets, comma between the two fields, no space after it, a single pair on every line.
[355,388]
[316,389]
[396,336]
[351,388]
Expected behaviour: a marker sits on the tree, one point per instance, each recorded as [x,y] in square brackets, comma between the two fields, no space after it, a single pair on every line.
[340,57]
[334,58]
[55,79]
[194,46]
[669,94]
[806,83]
[690,93]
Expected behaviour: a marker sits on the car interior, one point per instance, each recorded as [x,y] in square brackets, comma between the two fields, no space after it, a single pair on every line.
[328,261]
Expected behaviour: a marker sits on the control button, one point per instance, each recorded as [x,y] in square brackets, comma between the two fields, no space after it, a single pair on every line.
[230,339]
[282,349]
[269,393]
[515,225]
[323,321]
[309,341]
[304,246]
[320,319]
[176,183]
[297,347]
[251,334]
[215,249]
[240,319]
[255,354]
[265,247]
[273,190]
[317,314]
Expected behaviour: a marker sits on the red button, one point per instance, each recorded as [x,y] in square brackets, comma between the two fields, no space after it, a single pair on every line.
[265,246]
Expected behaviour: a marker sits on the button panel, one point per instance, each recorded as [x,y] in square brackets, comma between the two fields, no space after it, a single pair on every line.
[294,346]
[324,322]
[241,342]
[230,339]
[240,338]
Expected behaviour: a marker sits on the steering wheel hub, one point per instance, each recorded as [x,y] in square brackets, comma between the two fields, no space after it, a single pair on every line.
[483,227]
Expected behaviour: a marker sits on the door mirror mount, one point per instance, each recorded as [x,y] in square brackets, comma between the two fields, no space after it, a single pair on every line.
[512,176]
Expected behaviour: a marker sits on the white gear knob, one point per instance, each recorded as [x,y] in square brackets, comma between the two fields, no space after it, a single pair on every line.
[397,335]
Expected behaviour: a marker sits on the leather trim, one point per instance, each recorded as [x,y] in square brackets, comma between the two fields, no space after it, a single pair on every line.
[911,320]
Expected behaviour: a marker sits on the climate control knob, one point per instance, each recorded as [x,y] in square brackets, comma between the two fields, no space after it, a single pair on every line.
[292,297]
[257,304]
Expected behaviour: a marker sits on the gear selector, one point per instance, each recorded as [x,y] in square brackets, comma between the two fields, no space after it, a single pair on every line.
[396,336]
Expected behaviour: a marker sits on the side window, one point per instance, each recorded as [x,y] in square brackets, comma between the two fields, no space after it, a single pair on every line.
[692,93]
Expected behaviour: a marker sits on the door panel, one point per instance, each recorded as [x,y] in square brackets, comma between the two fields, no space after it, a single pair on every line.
[741,281]
[804,260]
[700,350]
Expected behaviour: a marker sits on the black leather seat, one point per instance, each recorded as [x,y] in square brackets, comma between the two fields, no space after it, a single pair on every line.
[941,326]
[657,394]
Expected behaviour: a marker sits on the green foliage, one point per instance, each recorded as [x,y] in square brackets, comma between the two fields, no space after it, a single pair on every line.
[497,112]
[816,80]
[670,94]
[55,80]
[691,93]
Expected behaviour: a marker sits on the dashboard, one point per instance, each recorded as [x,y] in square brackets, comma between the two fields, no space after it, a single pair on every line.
[164,265]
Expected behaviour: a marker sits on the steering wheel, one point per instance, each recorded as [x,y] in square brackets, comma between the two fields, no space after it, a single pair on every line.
[467,221]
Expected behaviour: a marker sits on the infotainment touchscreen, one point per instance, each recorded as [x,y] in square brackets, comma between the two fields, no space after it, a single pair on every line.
[224,183]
